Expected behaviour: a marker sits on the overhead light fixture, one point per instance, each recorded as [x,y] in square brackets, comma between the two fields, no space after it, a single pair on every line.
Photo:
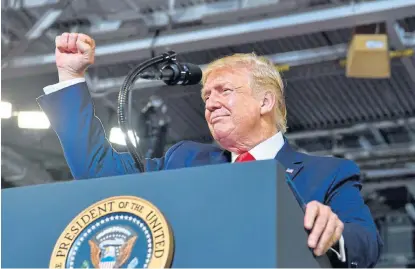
[32,120]
[117,137]
[5,110]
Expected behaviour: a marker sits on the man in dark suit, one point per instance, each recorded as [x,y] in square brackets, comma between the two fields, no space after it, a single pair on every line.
[245,112]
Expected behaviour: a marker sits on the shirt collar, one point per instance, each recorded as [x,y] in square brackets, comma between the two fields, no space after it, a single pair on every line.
[266,150]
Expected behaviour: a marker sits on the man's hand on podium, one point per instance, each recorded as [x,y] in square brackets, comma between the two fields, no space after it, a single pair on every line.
[326,228]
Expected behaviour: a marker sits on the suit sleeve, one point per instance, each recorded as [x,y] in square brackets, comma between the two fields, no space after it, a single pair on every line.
[362,241]
[86,148]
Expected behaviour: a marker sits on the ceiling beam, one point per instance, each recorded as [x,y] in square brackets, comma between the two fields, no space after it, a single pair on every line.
[395,33]
[388,173]
[353,129]
[205,13]
[41,25]
[38,29]
[214,12]
[202,39]
[28,4]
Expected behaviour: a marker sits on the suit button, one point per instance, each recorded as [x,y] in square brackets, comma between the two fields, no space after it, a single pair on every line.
[353,264]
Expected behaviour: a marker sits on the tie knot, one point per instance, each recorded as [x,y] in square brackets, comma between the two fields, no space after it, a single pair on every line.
[245,157]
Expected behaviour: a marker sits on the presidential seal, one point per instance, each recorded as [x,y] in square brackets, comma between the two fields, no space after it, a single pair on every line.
[118,232]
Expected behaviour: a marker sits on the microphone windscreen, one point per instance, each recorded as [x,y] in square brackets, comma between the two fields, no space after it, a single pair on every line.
[195,73]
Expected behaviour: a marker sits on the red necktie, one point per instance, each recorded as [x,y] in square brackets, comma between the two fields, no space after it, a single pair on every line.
[245,157]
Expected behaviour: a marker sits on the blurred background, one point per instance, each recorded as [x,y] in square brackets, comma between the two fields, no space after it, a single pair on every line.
[348,67]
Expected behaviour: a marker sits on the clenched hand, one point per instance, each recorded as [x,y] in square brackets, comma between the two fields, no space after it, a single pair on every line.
[74,54]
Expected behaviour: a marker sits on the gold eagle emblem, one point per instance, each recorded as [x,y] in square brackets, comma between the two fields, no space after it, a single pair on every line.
[124,254]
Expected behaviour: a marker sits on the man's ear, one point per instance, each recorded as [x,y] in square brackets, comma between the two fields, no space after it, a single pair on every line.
[268,102]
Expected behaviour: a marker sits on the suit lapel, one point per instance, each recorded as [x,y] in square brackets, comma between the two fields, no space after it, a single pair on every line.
[225,157]
[221,156]
[291,160]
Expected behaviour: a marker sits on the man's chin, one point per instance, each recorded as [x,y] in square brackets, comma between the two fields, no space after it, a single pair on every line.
[220,132]
[223,136]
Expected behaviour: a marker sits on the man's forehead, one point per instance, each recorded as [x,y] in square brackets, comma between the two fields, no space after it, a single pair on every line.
[223,77]
[217,83]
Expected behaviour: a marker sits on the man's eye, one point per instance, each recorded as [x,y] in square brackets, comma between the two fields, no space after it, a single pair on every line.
[227,90]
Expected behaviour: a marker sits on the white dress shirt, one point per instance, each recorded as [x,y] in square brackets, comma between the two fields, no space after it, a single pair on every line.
[59,86]
[268,149]
[263,151]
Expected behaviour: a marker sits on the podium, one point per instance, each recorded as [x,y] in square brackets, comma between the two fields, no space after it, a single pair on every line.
[241,215]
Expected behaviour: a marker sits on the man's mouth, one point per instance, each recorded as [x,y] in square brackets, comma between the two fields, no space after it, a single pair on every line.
[217,118]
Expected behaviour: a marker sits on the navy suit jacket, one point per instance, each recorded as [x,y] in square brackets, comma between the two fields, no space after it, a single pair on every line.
[331,181]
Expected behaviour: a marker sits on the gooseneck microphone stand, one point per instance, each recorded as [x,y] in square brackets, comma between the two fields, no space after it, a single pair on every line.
[171,72]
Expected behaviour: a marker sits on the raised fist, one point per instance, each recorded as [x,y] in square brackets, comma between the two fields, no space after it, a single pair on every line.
[74,53]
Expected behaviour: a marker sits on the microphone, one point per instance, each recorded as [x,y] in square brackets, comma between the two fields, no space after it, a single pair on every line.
[175,73]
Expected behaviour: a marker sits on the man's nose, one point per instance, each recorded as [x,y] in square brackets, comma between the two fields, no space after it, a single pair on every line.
[213,103]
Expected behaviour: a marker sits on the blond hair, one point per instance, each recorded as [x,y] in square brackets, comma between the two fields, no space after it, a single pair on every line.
[264,76]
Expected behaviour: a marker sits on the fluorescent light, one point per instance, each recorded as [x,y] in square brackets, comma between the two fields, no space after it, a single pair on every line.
[5,110]
[117,137]
[32,120]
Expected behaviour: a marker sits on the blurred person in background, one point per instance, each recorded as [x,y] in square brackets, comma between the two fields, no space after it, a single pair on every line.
[246,114]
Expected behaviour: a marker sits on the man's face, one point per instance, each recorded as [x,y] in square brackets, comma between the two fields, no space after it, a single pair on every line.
[232,111]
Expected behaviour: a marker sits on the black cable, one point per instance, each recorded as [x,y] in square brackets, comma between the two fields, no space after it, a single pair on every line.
[153,41]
